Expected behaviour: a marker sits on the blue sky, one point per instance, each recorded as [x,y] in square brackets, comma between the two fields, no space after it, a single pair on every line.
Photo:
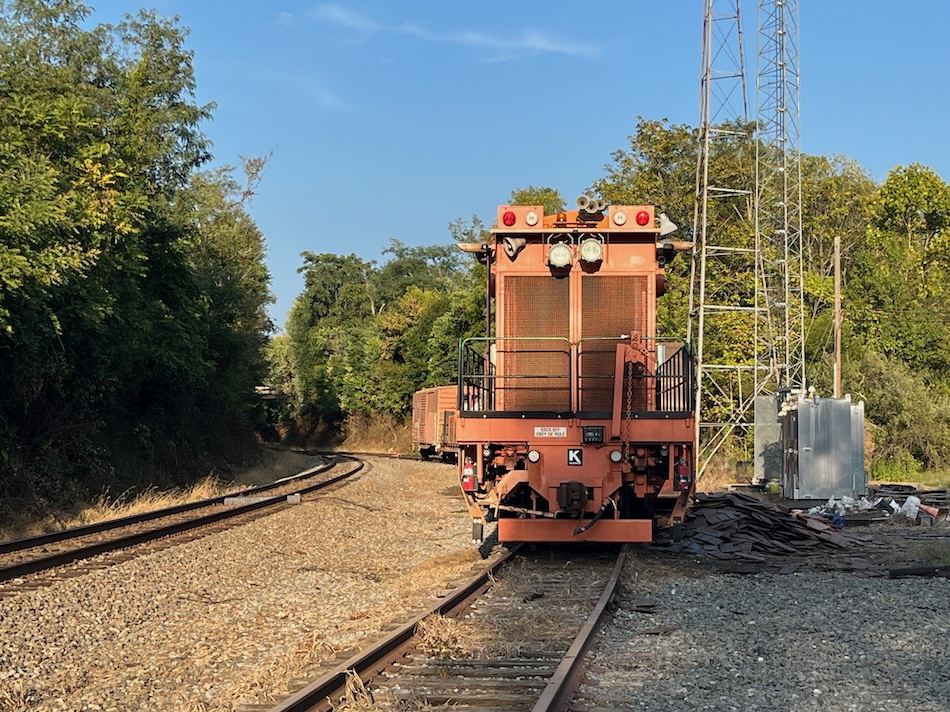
[391,119]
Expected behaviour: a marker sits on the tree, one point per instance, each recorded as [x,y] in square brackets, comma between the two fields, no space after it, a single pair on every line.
[132,289]
[549,198]
[898,281]
[360,332]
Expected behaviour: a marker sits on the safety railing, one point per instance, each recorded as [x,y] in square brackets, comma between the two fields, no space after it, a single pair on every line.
[535,376]
[675,378]
[658,377]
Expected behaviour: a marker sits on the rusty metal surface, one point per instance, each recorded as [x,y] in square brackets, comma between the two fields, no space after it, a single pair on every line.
[541,675]
[548,603]
[562,530]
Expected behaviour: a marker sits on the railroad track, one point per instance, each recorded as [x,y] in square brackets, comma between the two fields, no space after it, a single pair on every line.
[538,615]
[39,560]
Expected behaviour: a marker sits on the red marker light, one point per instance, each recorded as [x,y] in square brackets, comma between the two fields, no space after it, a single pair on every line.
[643,217]
[508,218]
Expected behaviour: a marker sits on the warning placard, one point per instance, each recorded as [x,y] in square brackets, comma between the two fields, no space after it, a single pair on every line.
[550,431]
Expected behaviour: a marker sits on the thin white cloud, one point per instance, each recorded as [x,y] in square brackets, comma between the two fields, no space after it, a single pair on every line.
[326,99]
[342,17]
[286,19]
[530,42]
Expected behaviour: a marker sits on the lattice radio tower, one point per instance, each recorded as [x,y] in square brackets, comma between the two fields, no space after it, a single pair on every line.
[724,270]
[746,312]
[778,224]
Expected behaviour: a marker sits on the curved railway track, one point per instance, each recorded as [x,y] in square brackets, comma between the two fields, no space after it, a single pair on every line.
[547,609]
[42,558]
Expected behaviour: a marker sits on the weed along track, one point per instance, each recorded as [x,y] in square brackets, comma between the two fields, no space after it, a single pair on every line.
[512,639]
[36,561]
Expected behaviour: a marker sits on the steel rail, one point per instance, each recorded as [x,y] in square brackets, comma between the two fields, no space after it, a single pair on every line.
[555,696]
[68,557]
[99,527]
[333,683]
[563,683]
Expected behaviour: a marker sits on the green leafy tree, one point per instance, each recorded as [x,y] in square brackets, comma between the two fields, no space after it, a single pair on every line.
[126,318]
[549,198]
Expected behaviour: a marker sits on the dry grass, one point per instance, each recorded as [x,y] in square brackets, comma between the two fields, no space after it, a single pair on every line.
[359,698]
[105,507]
[724,469]
[928,479]
[274,464]
[310,651]
[14,695]
[450,567]
[376,433]
[937,554]
[452,637]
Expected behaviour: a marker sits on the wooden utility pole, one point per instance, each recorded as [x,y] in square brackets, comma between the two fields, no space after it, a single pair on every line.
[837,386]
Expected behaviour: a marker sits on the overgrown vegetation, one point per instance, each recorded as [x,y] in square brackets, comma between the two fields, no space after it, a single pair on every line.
[132,285]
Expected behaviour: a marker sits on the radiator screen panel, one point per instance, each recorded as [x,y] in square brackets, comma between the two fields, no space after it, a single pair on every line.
[612,305]
[535,356]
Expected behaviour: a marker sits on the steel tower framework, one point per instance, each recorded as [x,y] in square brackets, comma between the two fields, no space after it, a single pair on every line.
[747,259]
[778,224]
[724,277]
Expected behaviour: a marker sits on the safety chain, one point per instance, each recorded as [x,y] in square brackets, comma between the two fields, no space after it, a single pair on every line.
[626,426]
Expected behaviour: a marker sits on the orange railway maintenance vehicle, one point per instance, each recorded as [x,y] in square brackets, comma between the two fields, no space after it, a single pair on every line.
[574,420]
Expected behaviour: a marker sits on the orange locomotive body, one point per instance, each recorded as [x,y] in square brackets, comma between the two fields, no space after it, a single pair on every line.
[575,422]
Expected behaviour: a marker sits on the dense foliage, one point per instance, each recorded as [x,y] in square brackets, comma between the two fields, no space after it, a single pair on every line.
[132,286]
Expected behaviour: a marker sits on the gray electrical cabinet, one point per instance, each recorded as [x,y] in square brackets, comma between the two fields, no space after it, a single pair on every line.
[814,448]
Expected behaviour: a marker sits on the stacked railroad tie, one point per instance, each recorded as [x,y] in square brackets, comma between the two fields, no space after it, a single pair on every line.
[763,536]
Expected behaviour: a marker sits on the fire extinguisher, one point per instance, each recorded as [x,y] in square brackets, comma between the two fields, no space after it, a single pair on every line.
[468,476]
[681,475]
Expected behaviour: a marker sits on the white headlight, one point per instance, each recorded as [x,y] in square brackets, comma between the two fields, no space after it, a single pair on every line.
[620,217]
[616,456]
[560,255]
[531,219]
[592,250]
[533,455]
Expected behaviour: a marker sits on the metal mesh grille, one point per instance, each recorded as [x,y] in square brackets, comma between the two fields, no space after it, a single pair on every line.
[612,305]
[537,372]
[420,412]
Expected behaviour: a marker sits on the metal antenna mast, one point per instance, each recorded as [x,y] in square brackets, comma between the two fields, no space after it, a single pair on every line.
[724,277]
[778,215]
[746,295]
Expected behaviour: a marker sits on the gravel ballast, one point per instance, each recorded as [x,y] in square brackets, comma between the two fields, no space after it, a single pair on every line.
[233,619]
[804,641]
[229,619]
